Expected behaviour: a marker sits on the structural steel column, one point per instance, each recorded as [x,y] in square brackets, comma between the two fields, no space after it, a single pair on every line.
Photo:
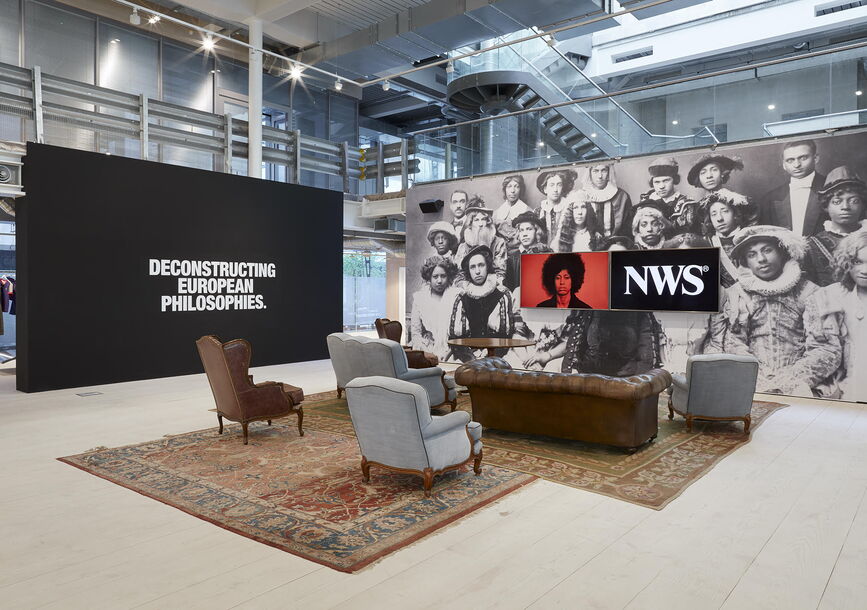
[254,101]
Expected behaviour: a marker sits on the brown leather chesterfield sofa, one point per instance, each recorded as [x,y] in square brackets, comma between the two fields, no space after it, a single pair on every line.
[619,411]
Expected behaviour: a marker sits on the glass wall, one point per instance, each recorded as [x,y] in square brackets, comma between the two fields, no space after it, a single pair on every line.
[74,44]
[363,289]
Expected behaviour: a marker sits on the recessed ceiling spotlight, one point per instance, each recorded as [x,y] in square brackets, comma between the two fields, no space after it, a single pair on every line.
[540,144]
[859,92]
[771,106]
[153,19]
[114,41]
[386,85]
[135,18]
[675,122]
[338,85]
[592,135]
[208,43]
[295,72]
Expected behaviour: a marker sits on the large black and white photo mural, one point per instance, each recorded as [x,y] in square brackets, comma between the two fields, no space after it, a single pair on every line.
[787,217]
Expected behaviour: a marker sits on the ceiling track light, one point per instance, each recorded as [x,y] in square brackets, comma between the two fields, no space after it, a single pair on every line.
[208,43]
[135,18]
[338,85]
[295,72]
[153,19]
[386,85]
[450,67]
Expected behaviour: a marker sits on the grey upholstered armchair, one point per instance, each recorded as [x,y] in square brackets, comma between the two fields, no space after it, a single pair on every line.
[715,387]
[354,356]
[395,430]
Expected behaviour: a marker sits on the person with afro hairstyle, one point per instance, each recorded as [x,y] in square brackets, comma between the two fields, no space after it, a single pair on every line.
[429,327]
[562,278]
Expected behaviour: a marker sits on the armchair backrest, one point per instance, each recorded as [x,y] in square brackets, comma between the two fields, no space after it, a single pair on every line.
[354,356]
[388,329]
[226,365]
[721,385]
[388,416]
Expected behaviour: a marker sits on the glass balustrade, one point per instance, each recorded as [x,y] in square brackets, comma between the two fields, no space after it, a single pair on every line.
[782,99]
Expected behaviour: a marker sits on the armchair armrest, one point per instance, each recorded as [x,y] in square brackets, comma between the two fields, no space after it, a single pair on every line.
[264,399]
[444,423]
[679,380]
[412,374]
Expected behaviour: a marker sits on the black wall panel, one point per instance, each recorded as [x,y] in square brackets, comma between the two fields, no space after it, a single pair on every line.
[91,313]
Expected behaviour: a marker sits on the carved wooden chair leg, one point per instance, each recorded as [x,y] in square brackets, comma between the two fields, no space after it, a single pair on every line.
[689,423]
[365,470]
[244,428]
[670,408]
[220,419]
[477,464]
[454,404]
[300,420]
[428,481]
[747,421]
[269,422]
[339,392]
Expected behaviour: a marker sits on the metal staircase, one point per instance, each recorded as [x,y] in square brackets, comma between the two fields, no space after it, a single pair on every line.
[569,130]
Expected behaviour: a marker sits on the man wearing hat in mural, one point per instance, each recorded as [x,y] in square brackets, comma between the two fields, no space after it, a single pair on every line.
[458,205]
[763,314]
[795,203]
[484,309]
[479,230]
[556,185]
[649,225]
[844,200]
[443,238]
[679,209]
[527,227]
[612,205]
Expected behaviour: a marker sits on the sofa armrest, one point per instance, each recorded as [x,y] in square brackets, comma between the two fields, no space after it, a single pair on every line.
[440,424]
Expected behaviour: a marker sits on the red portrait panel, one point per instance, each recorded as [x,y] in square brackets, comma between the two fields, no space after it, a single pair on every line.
[593,293]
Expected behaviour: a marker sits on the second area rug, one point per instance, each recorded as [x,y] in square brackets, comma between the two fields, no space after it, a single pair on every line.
[300,494]
[653,476]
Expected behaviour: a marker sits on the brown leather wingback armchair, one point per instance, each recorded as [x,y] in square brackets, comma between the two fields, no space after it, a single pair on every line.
[392,329]
[238,398]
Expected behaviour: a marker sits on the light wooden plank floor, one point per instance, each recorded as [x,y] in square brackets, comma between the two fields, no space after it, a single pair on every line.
[781,523]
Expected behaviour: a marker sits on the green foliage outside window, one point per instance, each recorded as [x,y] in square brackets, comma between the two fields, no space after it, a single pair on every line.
[363,264]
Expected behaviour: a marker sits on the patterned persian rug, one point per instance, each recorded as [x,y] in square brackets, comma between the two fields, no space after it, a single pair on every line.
[301,495]
[653,476]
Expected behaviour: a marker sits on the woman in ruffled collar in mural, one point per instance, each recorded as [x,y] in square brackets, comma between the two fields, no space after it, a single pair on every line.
[764,312]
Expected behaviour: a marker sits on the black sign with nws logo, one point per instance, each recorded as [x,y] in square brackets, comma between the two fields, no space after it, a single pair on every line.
[665,280]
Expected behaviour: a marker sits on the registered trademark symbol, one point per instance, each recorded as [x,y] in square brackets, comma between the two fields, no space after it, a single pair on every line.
[705,268]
